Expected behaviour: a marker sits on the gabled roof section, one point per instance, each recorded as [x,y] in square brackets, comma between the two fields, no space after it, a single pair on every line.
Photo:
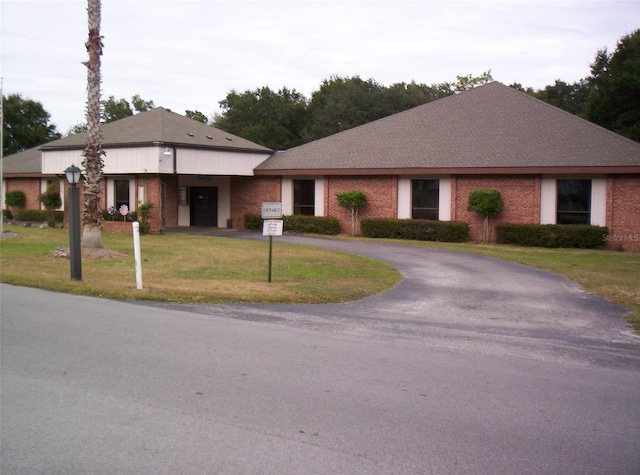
[492,127]
[160,126]
[25,163]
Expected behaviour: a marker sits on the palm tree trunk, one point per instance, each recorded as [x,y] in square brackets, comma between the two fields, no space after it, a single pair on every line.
[92,163]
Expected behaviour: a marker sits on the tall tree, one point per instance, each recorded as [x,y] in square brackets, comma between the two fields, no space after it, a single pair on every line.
[467,82]
[116,109]
[341,104]
[196,115]
[615,98]
[570,97]
[25,125]
[273,119]
[93,163]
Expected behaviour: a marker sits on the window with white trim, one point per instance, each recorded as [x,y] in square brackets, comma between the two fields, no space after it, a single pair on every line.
[121,194]
[573,201]
[425,199]
[304,197]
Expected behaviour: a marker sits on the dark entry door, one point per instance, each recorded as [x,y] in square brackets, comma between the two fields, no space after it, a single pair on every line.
[204,205]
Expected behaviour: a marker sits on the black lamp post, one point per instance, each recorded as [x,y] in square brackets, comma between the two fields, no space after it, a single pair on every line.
[73,177]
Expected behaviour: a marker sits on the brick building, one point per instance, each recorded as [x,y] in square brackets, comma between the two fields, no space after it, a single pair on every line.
[550,167]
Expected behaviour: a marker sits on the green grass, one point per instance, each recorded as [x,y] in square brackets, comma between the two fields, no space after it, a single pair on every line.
[182,268]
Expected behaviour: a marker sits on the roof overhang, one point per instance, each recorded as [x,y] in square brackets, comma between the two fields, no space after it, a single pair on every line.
[453,171]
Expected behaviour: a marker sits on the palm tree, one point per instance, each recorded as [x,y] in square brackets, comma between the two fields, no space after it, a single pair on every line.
[93,153]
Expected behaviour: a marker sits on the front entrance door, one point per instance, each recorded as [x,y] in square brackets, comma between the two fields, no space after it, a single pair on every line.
[204,205]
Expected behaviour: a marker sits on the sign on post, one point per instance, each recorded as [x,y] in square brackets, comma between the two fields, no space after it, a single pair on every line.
[272,227]
[271,212]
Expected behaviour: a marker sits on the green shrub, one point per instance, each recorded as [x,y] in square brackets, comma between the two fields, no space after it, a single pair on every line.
[51,200]
[298,224]
[552,235]
[15,199]
[352,201]
[415,229]
[253,222]
[144,213]
[130,218]
[311,224]
[37,216]
[7,214]
[487,203]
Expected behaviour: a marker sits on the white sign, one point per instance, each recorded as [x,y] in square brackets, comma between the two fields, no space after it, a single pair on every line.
[272,227]
[271,211]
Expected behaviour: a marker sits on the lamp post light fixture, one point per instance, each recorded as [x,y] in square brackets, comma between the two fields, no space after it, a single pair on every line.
[73,174]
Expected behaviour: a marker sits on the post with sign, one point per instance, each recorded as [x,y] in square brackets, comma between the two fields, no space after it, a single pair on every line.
[271,212]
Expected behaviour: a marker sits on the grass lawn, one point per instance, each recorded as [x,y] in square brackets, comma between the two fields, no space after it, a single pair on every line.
[183,268]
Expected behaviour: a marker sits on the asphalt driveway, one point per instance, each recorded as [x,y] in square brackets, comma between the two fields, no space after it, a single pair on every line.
[459,301]
[471,365]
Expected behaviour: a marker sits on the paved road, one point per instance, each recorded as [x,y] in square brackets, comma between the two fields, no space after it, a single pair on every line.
[471,365]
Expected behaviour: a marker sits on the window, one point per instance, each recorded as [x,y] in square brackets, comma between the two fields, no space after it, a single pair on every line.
[121,193]
[573,202]
[425,199]
[304,197]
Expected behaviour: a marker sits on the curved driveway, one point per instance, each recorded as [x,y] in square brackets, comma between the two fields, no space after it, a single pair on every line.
[471,365]
[462,301]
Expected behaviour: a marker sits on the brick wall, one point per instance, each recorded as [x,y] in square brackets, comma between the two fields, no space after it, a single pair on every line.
[31,189]
[521,196]
[382,198]
[248,194]
[154,194]
[171,201]
[623,212]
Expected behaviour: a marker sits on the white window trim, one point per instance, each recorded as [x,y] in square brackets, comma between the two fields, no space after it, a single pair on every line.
[548,199]
[287,194]
[133,205]
[444,196]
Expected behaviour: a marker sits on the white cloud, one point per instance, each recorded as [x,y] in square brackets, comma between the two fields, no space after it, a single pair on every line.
[190,54]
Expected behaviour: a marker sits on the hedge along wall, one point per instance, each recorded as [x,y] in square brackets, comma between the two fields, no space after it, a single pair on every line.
[521,195]
[248,194]
[623,212]
[381,192]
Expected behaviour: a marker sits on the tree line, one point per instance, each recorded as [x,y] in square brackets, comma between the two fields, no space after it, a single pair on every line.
[285,118]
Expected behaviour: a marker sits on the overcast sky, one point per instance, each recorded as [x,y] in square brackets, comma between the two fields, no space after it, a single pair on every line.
[186,54]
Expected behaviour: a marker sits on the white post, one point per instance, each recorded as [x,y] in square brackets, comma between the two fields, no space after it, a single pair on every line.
[136,253]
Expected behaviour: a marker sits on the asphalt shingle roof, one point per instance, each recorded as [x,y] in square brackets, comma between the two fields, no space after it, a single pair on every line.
[27,162]
[160,125]
[492,126]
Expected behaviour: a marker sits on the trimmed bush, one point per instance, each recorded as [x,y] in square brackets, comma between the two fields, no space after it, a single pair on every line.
[415,229]
[15,199]
[312,225]
[298,224]
[37,216]
[253,222]
[580,236]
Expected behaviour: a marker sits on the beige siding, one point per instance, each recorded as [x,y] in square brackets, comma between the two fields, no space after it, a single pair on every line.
[201,162]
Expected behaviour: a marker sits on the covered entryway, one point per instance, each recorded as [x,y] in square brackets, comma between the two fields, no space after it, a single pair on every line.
[204,205]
